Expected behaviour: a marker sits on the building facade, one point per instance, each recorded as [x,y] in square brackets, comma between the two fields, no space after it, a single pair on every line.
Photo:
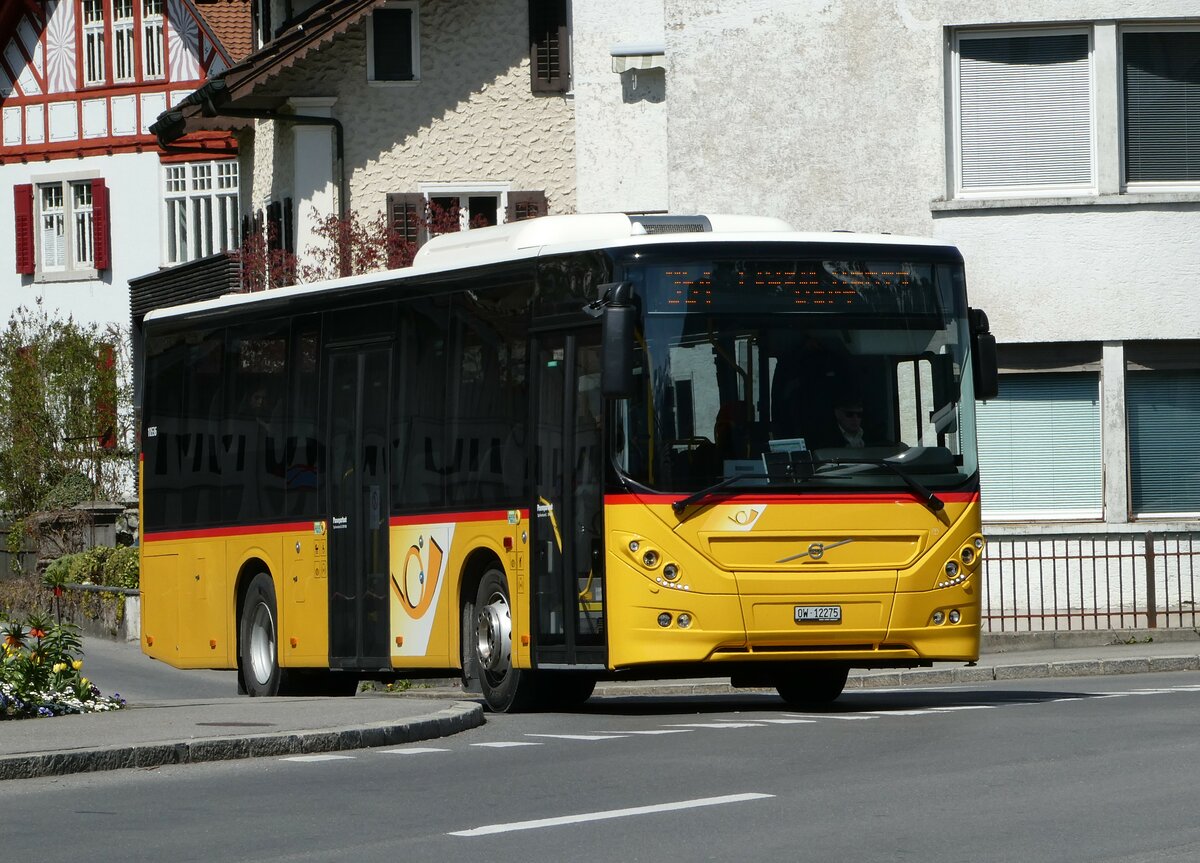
[93,200]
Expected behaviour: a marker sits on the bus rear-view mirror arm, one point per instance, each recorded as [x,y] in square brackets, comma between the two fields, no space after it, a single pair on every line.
[983,349]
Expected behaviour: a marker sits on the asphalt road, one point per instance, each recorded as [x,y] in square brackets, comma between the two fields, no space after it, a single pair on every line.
[119,667]
[1086,769]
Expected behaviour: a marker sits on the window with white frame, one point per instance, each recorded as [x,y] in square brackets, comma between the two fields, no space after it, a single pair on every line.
[1161,89]
[1023,112]
[201,200]
[93,42]
[65,235]
[123,53]
[393,43]
[1039,448]
[152,39]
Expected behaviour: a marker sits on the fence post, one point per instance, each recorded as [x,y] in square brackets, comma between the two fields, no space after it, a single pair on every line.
[1151,599]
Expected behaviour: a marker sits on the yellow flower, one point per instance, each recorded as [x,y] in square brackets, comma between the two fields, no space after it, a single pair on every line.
[83,681]
[77,664]
[59,667]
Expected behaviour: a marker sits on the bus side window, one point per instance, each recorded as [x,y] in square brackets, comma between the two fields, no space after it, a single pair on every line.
[419,466]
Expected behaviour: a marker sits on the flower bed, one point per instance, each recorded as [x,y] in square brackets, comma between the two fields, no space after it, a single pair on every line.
[41,672]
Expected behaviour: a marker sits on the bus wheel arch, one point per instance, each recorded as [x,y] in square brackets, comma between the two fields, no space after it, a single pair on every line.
[259,673]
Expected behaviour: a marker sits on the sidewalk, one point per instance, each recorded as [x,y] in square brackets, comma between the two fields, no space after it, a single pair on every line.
[210,729]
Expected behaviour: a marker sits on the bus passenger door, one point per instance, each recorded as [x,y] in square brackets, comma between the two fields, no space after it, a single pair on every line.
[357,498]
[567,559]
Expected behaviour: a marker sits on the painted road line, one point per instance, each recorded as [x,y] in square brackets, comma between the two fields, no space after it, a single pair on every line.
[608,814]
[507,744]
[716,725]
[414,750]
[579,736]
[312,758]
[964,707]
[660,731]
[792,721]
[813,717]
[902,712]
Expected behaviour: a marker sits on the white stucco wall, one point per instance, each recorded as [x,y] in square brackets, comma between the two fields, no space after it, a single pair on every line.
[472,118]
[621,119]
[135,206]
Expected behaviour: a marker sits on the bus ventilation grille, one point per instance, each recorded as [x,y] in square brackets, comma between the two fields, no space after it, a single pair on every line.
[673,224]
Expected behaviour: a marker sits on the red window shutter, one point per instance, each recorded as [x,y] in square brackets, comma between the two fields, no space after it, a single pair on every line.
[23,196]
[101,239]
[525,205]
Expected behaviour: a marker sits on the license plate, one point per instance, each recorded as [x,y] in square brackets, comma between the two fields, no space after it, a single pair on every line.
[821,613]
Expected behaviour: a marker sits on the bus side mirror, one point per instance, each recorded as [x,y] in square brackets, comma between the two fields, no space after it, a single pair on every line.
[983,349]
[617,333]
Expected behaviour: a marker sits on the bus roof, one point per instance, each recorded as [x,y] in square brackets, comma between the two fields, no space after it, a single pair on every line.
[551,235]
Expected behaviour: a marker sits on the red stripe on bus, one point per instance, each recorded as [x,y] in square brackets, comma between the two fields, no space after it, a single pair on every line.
[453,517]
[218,532]
[806,499]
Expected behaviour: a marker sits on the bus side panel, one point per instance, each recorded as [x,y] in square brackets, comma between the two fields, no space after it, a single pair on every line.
[160,605]
[206,637]
[421,557]
[304,612]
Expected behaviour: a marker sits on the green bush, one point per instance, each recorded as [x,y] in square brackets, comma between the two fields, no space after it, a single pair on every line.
[107,567]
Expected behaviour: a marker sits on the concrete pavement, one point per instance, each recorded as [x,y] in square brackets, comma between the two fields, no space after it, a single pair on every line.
[155,733]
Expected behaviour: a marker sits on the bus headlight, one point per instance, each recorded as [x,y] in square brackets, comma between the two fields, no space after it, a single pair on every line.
[650,559]
[955,616]
[664,619]
[939,617]
[684,620]
[952,569]
[967,555]
[670,572]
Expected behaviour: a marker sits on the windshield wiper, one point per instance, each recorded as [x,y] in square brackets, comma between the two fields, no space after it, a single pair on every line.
[929,498]
[695,497]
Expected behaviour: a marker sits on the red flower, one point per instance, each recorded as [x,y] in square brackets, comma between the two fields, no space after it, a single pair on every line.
[58,591]
[37,633]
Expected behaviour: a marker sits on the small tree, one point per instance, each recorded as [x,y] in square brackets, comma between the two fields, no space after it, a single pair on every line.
[65,413]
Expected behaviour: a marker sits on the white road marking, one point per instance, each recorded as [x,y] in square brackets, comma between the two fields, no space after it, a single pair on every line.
[965,707]
[312,758]
[507,744]
[580,736]
[790,721]
[901,712]
[608,814]
[415,750]
[660,731]
[843,717]
[716,725]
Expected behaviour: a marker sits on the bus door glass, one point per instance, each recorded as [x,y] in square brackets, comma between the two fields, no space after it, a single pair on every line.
[567,525]
[358,507]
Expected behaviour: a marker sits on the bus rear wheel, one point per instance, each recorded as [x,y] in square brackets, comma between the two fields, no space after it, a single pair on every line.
[505,689]
[816,684]
[258,651]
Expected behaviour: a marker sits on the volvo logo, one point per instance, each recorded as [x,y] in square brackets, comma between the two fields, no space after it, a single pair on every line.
[815,550]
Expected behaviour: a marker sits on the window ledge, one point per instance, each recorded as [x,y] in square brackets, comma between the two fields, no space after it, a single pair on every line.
[1014,530]
[70,276]
[1132,199]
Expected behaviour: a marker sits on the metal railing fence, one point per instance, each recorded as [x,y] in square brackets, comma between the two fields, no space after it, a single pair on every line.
[1091,581]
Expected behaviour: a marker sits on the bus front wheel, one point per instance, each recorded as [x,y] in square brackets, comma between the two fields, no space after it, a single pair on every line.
[505,689]
[812,684]
[258,657]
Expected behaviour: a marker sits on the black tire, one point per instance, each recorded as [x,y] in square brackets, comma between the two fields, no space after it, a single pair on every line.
[564,690]
[258,640]
[816,684]
[505,689]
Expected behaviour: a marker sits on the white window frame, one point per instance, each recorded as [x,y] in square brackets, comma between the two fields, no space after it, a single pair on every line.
[152,39]
[464,192]
[78,230]
[200,210]
[1143,185]
[93,44]
[415,8]
[124,70]
[954,112]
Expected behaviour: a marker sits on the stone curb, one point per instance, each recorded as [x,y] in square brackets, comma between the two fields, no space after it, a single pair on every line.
[450,720]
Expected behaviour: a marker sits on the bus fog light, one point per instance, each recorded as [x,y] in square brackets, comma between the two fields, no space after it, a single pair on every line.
[634,545]
[939,617]
[670,572]
[650,559]
[968,555]
[664,619]
[685,620]
[952,568]
[955,617]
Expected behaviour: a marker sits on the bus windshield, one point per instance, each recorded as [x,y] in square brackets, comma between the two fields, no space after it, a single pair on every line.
[798,372]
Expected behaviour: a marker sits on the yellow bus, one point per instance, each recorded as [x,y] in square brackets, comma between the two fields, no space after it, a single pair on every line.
[569,449]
